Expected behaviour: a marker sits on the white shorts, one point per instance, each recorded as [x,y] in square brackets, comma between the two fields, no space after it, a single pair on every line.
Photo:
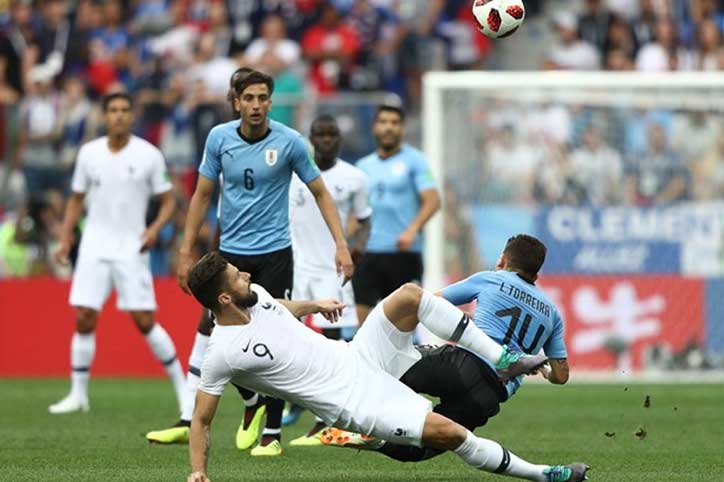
[381,405]
[93,279]
[321,285]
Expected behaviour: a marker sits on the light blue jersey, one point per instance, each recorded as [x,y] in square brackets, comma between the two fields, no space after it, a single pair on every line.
[512,312]
[254,208]
[395,184]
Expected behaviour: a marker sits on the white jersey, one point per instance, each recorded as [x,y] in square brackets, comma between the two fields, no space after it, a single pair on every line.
[312,242]
[276,355]
[118,186]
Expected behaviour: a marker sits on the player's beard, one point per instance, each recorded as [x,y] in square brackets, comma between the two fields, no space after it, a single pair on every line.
[246,301]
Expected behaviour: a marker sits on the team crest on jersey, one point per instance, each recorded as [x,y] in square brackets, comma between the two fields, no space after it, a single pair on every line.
[271,156]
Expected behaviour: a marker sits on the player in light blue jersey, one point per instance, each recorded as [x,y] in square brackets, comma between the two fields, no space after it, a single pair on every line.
[514,312]
[403,197]
[256,158]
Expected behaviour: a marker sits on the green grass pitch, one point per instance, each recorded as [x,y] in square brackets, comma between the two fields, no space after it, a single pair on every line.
[684,440]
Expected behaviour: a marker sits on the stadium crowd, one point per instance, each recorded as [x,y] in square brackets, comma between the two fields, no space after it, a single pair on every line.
[58,57]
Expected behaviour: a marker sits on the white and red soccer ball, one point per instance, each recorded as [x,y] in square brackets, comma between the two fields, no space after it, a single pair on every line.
[498,18]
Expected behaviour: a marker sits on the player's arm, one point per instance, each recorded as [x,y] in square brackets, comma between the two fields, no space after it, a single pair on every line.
[328,208]
[200,435]
[198,207]
[429,205]
[165,212]
[556,372]
[73,212]
[358,240]
[330,309]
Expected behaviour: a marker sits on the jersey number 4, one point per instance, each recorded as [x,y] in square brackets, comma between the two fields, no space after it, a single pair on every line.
[514,313]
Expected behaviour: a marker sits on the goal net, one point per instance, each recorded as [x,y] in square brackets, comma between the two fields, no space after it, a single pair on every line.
[621,175]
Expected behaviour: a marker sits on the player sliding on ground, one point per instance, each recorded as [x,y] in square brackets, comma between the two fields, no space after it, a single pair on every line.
[259,344]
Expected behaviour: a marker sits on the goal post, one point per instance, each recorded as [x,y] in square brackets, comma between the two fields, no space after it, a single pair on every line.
[621,174]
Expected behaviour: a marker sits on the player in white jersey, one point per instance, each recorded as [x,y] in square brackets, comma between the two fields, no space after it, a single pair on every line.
[116,175]
[315,275]
[259,344]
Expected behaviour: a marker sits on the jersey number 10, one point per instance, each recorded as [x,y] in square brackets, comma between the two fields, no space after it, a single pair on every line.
[514,313]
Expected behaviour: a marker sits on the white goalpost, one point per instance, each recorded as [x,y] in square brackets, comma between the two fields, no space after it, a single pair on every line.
[621,174]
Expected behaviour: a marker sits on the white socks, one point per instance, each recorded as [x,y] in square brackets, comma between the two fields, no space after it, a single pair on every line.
[489,456]
[448,322]
[82,351]
[201,342]
[163,348]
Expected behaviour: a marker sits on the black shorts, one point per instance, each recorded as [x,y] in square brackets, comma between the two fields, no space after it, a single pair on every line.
[379,274]
[273,271]
[469,390]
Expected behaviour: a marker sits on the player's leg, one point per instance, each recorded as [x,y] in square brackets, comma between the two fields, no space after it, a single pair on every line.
[89,289]
[469,391]
[179,432]
[366,285]
[275,272]
[134,284]
[410,305]
[487,455]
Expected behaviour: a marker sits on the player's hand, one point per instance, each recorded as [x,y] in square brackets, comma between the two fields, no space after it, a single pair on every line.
[544,371]
[357,255]
[63,251]
[149,239]
[330,309]
[343,260]
[406,239]
[183,266]
[198,477]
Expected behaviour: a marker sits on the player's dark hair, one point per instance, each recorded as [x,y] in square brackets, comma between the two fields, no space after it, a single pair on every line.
[108,98]
[206,279]
[390,108]
[237,76]
[525,254]
[252,78]
[322,119]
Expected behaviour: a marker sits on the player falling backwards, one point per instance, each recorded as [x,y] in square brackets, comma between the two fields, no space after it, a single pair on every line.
[512,311]
[315,276]
[259,343]
[257,157]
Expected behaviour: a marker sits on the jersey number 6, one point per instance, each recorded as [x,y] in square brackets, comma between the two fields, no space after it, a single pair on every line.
[249,179]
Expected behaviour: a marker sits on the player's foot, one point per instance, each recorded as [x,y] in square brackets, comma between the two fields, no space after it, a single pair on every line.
[291,414]
[515,363]
[336,437]
[270,450]
[307,441]
[178,434]
[250,427]
[566,473]
[70,404]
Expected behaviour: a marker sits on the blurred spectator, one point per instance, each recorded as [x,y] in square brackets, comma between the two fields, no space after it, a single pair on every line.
[570,52]
[111,58]
[620,38]
[598,169]
[88,19]
[594,24]
[695,133]
[664,53]
[176,45]
[644,25]
[273,51]
[510,168]
[331,46]
[78,121]
[40,130]
[13,190]
[15,57]
[278,56]
[658,176]
[211,69]
[708,170]
[618,60]
[708,46]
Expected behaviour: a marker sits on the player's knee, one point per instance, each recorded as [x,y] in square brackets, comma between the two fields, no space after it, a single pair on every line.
[450,435]
[144,321]
[206,323]
[85,321]
[411,295]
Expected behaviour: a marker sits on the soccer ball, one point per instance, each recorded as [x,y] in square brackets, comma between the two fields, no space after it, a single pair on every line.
[498,18]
